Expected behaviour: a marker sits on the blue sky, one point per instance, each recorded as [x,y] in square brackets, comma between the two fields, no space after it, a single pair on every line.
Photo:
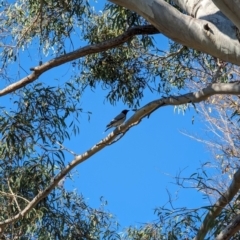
[134,173]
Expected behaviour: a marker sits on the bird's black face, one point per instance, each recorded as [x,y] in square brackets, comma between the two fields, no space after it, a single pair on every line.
[125,111]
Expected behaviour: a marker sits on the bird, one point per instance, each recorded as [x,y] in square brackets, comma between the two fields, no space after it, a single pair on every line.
[118,120]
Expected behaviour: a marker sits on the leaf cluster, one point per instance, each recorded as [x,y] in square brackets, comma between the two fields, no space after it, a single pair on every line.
[50,23]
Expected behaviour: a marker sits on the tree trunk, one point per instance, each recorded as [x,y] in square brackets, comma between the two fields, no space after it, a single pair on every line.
[205,28]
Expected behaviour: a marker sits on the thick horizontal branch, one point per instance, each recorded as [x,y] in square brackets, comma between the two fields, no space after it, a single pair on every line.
[217,88]
[81,52]
[208,11]
[195,33]
[218,206]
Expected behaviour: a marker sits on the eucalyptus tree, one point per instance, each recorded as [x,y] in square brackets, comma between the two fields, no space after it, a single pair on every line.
[121,56]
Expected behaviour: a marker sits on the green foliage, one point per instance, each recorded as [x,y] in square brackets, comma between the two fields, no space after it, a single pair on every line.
[125,70]
[113,21]
[19,184]
[31,152]
[43,116]
[38,121]
[172,224]
[51,22]
[62,215]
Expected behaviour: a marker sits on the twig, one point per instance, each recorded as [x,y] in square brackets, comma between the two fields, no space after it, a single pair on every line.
[9,194]
[13,195]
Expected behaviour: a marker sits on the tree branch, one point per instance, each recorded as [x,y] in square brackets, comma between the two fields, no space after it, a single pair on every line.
[185,29]
[230,230]
[14,197]
[230,8]
[217,88]
[207,10]
[81,52]
[218,206]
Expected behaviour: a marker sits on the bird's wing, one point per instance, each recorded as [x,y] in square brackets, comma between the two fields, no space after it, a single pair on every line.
[116,119]
[119,117]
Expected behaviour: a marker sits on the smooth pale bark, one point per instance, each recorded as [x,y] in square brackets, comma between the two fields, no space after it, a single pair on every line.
[231,8]
[195,33]
[207,10]
[218,206]
[216,88]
